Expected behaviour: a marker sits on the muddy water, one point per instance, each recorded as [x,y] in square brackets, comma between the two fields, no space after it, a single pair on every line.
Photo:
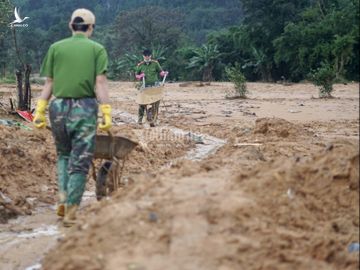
[25,240]
[205,144]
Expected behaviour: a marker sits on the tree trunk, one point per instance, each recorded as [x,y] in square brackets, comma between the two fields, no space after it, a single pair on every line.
[336,67]
[27,97]
[20,105]
[24,99]
[342,64]
[17,48]
[4,70]
[264,74]
[207,74]
[321,8]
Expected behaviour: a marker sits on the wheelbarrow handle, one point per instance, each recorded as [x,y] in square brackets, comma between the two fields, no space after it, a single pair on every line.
[163,81]
[143,80]
[110,134]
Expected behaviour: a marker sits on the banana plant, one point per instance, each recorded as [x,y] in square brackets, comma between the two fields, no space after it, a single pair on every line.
[125,66]
[204,60]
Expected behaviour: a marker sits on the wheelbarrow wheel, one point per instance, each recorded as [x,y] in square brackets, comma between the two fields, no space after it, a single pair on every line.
[101,180]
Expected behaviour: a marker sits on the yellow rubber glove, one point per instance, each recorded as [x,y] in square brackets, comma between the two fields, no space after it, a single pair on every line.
[106,112]
[39,118]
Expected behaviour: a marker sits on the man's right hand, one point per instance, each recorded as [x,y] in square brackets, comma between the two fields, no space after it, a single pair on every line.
[163,73]
[140,76]
[39,118]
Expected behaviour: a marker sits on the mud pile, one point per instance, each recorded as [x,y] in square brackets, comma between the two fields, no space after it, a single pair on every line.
[28,160]
[277,127]
[156,148]
[278,195]
[262,129]
[27,170]
[286,213]
[306,211]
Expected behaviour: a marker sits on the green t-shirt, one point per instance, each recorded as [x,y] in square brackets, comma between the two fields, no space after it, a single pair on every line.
[151,71]
[73,64]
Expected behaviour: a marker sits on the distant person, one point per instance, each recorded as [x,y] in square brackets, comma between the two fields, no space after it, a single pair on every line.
[149,70]
[74,68]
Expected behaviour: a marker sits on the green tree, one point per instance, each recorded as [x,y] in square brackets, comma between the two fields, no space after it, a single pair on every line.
[237,77]
[342,50]
[260,64]
[235,46]
[147,27]
[170,24]
[324,33]
[324,77]
[265,21]
[124,67]
[5,12]
[204,60]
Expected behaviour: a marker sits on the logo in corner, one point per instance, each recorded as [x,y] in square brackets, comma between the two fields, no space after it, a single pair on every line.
[18,22]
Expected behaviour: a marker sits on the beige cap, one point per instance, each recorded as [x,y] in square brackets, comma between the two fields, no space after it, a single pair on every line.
[85,14]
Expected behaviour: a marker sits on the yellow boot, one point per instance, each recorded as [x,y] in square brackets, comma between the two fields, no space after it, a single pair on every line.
[70,215]
[60,211]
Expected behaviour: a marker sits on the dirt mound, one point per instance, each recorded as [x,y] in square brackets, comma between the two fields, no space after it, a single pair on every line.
[28,163]
[157,148]
[277,127]
[276,198]
[27,170]
[272,198]
[310,205]
[291,213]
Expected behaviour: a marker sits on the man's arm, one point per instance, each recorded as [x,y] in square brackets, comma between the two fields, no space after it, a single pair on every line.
[47,89]
[139,73]
[158,67]
[161,71]
[102,93]
[138,68]
[39,117]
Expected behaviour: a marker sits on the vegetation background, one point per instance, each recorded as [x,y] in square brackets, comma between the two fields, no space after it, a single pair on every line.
[268,40]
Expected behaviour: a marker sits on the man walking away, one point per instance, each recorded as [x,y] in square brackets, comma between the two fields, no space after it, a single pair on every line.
[74,68]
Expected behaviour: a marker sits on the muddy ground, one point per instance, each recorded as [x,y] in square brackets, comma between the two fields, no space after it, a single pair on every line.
[268,182]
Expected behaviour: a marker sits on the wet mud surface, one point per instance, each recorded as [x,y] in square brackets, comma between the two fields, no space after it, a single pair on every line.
[270,182]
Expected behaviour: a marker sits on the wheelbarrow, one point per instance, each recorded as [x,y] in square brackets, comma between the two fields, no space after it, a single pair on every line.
[114,150]
[149,96]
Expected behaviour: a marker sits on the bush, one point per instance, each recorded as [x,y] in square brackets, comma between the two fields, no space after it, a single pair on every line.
[8,79]
[237,77]
[37,80]
[324,77]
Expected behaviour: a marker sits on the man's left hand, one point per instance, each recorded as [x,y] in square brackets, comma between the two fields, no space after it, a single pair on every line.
[39,118]
[106,112]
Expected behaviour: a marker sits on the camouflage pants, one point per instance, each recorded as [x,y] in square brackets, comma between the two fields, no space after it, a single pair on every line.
[73,124]
[151,113]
